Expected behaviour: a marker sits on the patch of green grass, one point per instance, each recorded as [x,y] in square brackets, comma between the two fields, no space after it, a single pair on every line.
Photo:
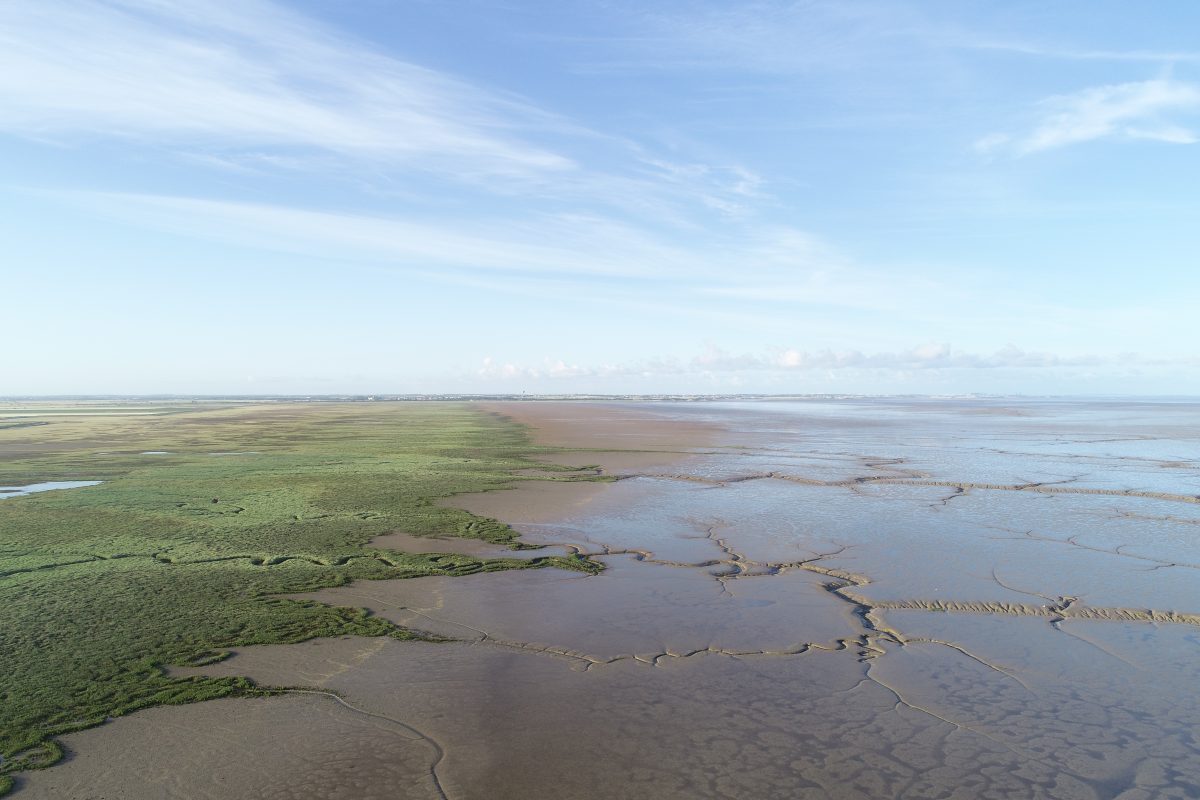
[175,558]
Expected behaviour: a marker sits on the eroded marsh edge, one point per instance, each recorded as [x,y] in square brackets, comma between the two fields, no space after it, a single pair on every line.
[175,559]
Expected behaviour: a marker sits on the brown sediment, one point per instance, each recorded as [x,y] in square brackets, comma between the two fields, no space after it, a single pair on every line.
[603,621]
[531,501]
[618,438]
[706,665]
[1049,488]
[960,487]
[1052,612]
[298,747]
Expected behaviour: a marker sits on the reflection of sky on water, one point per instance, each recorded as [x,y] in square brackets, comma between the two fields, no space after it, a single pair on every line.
[33,488]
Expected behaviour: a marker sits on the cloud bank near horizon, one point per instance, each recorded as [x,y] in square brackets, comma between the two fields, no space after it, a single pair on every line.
[930,356]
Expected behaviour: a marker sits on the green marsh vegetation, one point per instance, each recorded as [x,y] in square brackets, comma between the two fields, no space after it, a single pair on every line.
[175,557]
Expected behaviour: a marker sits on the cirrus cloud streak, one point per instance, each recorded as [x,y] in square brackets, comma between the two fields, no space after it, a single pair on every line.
[1135,110]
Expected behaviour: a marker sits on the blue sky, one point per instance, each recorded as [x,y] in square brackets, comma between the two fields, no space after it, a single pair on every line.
[389,196]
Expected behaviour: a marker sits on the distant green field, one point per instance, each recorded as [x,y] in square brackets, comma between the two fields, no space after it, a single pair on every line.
[178,556]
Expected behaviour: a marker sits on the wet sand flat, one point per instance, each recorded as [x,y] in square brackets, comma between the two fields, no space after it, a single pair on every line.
[621,438]
[860,599]
[532,500]
[642,611]
[709,726]
[299,747]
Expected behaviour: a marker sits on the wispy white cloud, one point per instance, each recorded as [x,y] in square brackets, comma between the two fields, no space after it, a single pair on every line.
[775,281]
[735,262]
[928,356]
[246,75]
[1136,110]
[769,282]
[569,245]
[1069,53]
[256,86]
[775,37]
[786,37]
[774,269]
[933,355]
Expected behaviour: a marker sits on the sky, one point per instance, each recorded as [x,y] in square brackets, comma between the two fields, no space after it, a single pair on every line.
[395,196]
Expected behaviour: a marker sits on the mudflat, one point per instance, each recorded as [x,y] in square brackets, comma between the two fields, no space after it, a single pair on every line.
[612,440]
[851,599]
[180,532]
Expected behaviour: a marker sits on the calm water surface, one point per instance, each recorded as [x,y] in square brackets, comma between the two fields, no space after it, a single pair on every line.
[33,488]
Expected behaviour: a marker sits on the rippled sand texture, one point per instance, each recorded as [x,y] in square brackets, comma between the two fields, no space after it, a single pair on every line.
[879,599]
